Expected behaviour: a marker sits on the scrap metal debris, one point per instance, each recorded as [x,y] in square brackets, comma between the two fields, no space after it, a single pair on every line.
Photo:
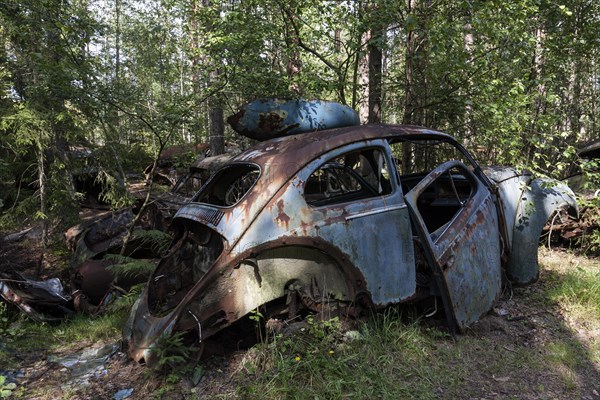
[42,301]
[91,362]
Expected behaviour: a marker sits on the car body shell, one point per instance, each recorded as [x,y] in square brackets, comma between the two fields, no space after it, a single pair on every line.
[450,232]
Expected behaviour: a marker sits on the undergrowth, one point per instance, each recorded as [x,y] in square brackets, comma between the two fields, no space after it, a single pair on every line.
[380,359]
[389,358]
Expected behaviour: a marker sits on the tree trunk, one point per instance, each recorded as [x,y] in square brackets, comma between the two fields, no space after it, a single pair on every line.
[217,127]
[375,70]
[43,208]
[363,82]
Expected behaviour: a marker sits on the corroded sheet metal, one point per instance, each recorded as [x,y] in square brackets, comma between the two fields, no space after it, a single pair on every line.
[272,243]
[290,153]
[274,217]
[465,256]
[540,200]
[374,234]
[526,205]
[270,118]
[42,301]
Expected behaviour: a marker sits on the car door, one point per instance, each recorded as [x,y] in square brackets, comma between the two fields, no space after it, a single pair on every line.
[356,204]
[455,218]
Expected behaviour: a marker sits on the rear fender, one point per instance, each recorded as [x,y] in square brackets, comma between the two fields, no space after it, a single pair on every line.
[259,280]
[235,291]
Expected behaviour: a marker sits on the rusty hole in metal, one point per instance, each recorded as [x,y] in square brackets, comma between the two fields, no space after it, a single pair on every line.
[191,258]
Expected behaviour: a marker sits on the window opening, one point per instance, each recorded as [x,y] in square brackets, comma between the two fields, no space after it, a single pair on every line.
[229,185]
[352,176]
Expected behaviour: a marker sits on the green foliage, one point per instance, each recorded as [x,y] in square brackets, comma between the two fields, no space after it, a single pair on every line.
[113,190]
[589,214]
[513,80]
[127,267]
[158,241]
[579,287]
[6,389]
[9,329]
[325,362]
[172,352]
[126,301]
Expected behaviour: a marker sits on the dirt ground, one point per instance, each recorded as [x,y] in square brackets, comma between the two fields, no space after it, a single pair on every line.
[521,320]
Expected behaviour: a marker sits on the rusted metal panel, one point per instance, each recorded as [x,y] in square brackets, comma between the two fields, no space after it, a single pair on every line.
[374,234]
[540,200]
[270,118]
[526,205]
[42,301]
[465,256]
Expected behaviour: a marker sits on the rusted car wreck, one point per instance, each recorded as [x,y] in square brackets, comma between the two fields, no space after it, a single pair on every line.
[356,217]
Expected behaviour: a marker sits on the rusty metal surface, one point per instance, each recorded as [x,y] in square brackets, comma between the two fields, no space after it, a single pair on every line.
[230,259]
[526,206]
[270,118]
[42,301]
[373,234]
[540,200]
[368,242]
[465,256]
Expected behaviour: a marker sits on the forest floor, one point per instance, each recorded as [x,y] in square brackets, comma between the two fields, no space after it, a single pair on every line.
[539,342]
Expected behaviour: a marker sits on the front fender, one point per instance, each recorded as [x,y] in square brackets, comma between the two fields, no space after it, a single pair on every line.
[540,199]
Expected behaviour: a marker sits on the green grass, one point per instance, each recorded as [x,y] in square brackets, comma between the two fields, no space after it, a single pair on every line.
[578,290]
[387,357]
[392,359]
[31,336]
[572,287]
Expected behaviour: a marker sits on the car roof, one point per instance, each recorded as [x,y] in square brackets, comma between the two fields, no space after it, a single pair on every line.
[302,148]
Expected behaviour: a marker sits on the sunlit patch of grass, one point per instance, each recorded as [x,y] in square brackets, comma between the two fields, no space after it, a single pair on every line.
[579,292]
[390,358]
[565,356]
[574,287]
[384,358]
[576,282]
[70,333]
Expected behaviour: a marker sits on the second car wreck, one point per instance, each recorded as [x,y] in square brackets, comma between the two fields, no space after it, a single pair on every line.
[347,218]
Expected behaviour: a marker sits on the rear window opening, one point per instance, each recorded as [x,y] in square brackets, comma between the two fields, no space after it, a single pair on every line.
[229,185]
[189,260]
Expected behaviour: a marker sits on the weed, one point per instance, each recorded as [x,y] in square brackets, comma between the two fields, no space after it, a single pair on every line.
[11,326]
[323,362]
[6,389]
[172,352]
[126,267]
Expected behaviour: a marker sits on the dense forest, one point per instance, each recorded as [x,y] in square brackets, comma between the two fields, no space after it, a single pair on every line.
[94,92]
[118,81]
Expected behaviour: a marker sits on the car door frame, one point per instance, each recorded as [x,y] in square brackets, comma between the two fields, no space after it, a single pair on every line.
[471,237]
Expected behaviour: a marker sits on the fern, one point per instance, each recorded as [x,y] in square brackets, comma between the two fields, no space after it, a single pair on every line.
[127,300]
[157,240]
[127,267]
[172,351]
[113,190]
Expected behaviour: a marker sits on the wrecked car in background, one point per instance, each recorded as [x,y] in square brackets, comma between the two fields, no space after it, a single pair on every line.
[168,174]
[92,281]
[42,301]
[341,220]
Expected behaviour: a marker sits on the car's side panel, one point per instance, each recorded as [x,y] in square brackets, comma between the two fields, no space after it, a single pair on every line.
[378,240]
[527,204]
[374,233]
[539,201]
